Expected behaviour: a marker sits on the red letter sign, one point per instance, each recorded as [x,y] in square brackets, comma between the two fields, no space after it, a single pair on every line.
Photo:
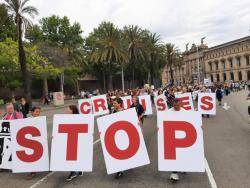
[207,103]
[72,143]
[134,140]
[72,131]
[186,101]
[100,105]
[160,103]
[85,106]
[180,141]
[31,144]
[122,141]
[171,142]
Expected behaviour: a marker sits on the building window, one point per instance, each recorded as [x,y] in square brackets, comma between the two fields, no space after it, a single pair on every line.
[211,66]
[240,75]
[224,77]
[217,65]
[238,60]
[218,77]
[223,64]
[247,60]
[232,76]
[231,63]
[212,78]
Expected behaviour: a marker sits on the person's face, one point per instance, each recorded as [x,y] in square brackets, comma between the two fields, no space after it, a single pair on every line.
[116,104]
[69,111]
[134,100]
[10,109]
[36,113]
[177,106]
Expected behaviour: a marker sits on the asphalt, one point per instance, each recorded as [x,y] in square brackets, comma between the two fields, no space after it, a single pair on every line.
[226,138]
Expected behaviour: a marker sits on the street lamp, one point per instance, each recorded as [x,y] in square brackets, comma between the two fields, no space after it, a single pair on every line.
[198,58]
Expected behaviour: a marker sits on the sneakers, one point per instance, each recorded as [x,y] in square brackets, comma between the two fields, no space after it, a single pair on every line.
[80,174]
[71,176]
[118,175]
[174,176]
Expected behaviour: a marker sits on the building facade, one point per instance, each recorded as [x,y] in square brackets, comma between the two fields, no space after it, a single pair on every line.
[225,62]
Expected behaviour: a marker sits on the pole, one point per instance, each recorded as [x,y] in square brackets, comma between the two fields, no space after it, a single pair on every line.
[122,79]
[62,81]
[198,65]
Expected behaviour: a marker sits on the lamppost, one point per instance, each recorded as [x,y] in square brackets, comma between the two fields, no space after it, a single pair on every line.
[198,59]
[123,87]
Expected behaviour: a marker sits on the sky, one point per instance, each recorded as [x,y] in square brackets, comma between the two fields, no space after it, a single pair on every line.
[176,21]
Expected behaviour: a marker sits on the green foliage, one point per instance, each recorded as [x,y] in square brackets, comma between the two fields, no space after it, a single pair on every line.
[7,24]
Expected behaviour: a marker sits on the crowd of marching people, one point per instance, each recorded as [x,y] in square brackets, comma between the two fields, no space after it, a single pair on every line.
[15,110]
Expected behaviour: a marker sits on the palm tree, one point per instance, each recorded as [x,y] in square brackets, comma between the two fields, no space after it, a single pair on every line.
[20,10]
[108,48]
[154,53]
[134,37]
[172,56]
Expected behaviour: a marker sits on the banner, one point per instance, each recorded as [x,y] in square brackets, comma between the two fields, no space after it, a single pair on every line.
[180,141]
[58,98]
[145,101]
[85,106]
[29,145]
[5,145]
[127,102]
[161,103]
[72,143]
[122,141]
[207,103]
[186,101]
[100,105]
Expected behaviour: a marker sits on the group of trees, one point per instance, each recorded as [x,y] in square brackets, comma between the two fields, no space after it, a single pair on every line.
[55,49]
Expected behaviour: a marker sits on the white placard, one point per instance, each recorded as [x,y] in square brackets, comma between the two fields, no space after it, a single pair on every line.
[29,145]
[72,143]
[5,145]
[58,98]
[145,101]
[207,103]
[127,102]
[180,141]
[122,141]
[100,105]
[186,101]
[161,103]
[85,106]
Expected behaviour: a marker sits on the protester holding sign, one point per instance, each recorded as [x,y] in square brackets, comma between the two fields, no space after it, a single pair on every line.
[72,109]
[117,104]
[176,107]
[35,112]
[11,114]
[138,107]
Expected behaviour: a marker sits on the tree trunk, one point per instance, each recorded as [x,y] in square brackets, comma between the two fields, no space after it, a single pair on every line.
[133,75]
[45,87]
[77,88]
[110,78]
[171,75]
[104,81]
[22,61]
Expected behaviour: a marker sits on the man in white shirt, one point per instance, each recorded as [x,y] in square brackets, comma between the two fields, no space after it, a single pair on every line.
[176,107]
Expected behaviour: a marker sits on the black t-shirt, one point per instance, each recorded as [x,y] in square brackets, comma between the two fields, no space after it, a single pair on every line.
[139,109]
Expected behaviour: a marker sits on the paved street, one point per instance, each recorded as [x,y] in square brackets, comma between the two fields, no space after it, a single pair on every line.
[226,137]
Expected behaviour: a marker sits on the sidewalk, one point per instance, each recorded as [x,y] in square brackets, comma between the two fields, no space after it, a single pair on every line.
[53,107]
